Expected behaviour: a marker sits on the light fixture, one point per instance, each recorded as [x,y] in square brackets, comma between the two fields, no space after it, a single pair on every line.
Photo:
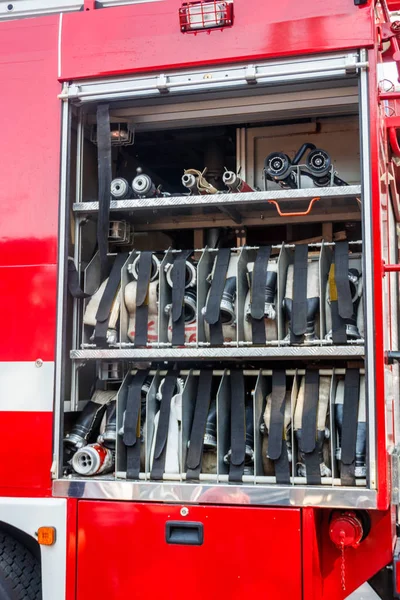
[122,134]
[197,16]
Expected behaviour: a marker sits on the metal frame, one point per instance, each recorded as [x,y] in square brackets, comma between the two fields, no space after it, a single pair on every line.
[275,72]
[140,87]
[368,240]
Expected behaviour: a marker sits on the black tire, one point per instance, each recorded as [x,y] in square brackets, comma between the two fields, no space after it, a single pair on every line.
[20,575]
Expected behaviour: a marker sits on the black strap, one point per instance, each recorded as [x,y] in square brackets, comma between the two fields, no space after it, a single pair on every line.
[142,289]
[277,447]
[282,466]
[107,299]
[73,281]
[299,310]
[276,424]
[160,450]
[104,177]
[345,303]
[195,452]
[308,441]
[258,284]
[178,278]
[349,426]
[339,331]
[238,426]
[212,314]
[131,436]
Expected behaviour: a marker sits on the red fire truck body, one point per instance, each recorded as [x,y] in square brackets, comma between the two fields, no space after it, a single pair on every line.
[109,543]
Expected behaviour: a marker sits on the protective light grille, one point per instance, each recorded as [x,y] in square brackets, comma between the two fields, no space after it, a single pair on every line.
[196,16]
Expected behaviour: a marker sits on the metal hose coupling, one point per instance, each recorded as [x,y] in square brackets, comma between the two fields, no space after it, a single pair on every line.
[93,459]
[235,183]
[143,186]
[190,274]
[109,436]
[120,189]
[155,267]
[227,306]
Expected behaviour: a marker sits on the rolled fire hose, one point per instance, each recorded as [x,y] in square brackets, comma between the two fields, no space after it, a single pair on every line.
[189,307]
[268,463]
[312,303]
[108,429]
[316,405]
[360,470]
[89,420]
[271,325]
[227,306]
[89,317]
[355,324]
[152,319]
[173,455]
[249,448]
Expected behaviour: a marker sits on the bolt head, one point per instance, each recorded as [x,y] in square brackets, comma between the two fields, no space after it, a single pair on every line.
[38,363]
[184,511]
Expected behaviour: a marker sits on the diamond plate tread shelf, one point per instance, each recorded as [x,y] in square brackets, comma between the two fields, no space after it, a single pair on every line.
[248,198]
[151,354]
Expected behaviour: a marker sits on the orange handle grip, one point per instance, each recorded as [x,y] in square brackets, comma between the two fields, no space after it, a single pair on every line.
[294,214]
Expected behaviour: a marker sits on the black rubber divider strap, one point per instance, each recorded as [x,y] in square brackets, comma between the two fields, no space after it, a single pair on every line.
[142,290]
[195,452]
[160,450]
[212,314]
[345,302]
[299,300]
[308,442]
[178,277]
[349,427]
[104,186]
[277,448]
[107,299]
[339,335]
[74,287]
[258,284]
[131,436]
[238,426]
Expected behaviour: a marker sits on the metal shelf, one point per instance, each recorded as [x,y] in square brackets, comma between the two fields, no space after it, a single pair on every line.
[253,353]
[223,200]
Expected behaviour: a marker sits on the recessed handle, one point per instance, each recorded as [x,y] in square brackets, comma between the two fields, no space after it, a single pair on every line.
[184,533]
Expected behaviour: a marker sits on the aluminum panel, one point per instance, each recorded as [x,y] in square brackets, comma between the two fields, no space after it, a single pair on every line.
[204,493]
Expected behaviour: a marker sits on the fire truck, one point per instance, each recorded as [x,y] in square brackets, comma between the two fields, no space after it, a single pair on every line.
[200,226]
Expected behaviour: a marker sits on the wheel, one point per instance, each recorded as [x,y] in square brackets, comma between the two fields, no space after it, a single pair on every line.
[20,576]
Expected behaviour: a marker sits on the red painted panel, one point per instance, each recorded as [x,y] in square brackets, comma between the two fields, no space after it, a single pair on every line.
[72,523]
[26,441]
[145,37]
[122,553]
[28,307]
[29,141]
[361,563]
[380,414]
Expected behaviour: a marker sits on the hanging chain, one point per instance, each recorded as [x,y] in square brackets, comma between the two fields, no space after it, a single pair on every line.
[342,562]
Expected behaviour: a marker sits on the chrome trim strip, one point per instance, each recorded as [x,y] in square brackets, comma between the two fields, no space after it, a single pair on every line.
[192,493]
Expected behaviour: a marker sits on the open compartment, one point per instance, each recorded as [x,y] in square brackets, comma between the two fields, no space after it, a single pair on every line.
[198,174]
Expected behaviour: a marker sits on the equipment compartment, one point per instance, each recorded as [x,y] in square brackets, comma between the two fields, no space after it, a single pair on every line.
[223,297]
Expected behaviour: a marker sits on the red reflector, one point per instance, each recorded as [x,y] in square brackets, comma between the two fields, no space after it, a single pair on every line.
[397,576]
[195,16]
